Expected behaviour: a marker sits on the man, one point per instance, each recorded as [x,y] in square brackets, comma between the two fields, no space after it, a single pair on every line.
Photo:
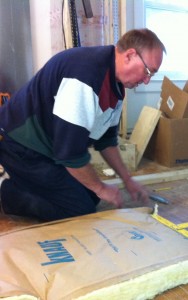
[73,102]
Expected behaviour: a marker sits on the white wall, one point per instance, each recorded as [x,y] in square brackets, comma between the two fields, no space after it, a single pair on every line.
[16,63]
[46,30]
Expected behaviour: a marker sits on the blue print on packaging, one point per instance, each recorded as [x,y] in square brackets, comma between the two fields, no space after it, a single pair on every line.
[136,235]
[56,252]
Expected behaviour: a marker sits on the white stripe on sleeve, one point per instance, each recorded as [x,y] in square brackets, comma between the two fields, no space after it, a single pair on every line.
[76,103]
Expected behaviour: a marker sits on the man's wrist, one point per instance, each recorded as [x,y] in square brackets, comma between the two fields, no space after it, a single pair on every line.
[127,178]
[99,189]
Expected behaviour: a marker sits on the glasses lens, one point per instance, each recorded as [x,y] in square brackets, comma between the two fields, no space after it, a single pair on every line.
[148,72]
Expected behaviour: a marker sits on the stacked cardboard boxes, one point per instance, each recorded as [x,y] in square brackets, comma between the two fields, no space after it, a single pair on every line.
[169,144]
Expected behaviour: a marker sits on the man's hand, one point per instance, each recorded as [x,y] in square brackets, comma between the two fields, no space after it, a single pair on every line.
[87,176]
[137,191]
[111,194]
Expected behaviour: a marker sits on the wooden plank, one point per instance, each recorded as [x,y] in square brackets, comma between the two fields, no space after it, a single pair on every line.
[128,153]
[162,297]
[175,293]
[185,88]
[154,178]
[185,289]
[162,177]
[67,25]
[123,121]
[144,129]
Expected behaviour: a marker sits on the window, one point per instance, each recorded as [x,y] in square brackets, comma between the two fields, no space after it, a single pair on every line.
[169,20]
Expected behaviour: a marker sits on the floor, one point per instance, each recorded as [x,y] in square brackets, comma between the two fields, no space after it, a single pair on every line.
[176,211]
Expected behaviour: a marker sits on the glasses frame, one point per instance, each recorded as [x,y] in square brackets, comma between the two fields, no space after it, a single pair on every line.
[148,72]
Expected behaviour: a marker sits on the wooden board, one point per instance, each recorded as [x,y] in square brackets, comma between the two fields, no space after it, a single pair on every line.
[128,153]
[178,293]
[123,121]
[144,129]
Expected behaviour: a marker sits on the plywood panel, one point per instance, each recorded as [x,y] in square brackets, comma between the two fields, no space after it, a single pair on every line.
[144,129]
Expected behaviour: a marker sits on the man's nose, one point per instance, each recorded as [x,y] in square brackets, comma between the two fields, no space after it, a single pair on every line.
[146,79]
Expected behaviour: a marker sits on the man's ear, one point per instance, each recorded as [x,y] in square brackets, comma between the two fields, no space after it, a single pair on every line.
[129,54]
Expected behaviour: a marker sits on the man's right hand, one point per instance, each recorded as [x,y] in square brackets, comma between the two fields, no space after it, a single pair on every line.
[111,194]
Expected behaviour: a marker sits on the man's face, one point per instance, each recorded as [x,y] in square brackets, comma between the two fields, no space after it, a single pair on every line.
[133,68]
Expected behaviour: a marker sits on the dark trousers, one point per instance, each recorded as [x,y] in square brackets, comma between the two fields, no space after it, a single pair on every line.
[40,188]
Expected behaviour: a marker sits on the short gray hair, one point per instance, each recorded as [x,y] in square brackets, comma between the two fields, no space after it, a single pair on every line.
[140,39]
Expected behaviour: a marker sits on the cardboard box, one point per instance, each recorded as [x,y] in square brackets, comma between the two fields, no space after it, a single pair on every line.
[174,101]
[185,88]
[169,143]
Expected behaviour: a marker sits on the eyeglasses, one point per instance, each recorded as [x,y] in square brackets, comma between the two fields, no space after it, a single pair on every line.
[148,72]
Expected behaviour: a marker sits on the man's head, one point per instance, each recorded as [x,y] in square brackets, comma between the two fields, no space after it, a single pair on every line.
[139,54]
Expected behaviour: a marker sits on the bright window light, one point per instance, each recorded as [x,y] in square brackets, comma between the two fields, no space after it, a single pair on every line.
[169,20]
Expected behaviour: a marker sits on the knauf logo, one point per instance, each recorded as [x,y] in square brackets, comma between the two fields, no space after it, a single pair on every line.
[56,252]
